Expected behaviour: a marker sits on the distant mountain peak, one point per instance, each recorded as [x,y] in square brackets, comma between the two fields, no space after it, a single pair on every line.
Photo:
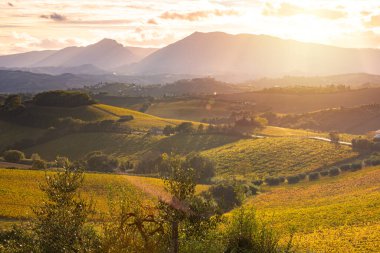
[108,43]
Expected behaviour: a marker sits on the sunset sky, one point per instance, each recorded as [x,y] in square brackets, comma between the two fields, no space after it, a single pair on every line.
[37,25]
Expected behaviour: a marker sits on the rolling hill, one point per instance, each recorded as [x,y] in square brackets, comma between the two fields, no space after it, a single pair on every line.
[334,214]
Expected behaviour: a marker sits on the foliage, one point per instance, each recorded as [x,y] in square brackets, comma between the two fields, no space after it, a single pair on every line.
[314,176]
[272,180]
[62,99]
[61,220]
[185,127]
[334,171]
[204,168]
[12,103]
[97,161]
[168,130]
[244,233]
[293,179]
[13,156]
[39,164]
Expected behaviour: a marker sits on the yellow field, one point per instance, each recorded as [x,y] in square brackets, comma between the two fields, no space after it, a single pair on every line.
[141,120]
[19,190]
[339,214]
[276,156]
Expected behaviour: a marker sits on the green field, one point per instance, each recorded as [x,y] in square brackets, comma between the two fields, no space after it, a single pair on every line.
[276,156]
[192,109]
[11,133]
[340,214]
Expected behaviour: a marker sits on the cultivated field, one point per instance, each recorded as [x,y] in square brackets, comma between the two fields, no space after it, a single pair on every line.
[276,156]
[340,214]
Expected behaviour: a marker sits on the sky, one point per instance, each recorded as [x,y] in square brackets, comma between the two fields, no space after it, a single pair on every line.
[27,25]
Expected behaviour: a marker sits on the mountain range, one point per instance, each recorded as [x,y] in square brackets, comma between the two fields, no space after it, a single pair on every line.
[97,58]
[224,56]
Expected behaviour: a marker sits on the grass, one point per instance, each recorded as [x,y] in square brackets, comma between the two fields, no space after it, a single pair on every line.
[19,190]
[11,133]
[192,109]
[276,156]
[130,146]
[140,121]
[75,146]
[340,214]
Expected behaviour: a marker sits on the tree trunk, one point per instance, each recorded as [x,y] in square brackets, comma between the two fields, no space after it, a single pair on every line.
[175,237]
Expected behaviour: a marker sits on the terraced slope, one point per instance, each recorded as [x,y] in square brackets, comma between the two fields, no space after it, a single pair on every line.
[340,214]
[276,156]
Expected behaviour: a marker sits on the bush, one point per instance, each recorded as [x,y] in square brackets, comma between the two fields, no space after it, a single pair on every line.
[185,127]
[204,168]
[314,176]
[39,164]
[61,98]
[226,196]
[293,179]
[126,118]
[272,181]
[334,171]
[324,173]
[13,156]
[168,130]
[356,166]
[302,176]
[97,161]
[345,167]
[257,182]
[282,179]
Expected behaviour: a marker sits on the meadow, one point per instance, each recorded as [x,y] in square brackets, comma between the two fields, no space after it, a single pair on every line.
[334,214]
[19,191]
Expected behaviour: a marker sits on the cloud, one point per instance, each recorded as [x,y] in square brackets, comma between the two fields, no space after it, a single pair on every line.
[152,22]
[373,22]
[55,16]
[10,4]
[287,10]
[197,15]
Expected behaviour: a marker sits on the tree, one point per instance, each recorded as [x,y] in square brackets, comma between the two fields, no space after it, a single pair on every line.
[12,102]
[97,161]
[13,156]
[168,130]
[61,220]
[185,127]
[204,168]
[39,164]
[334,137]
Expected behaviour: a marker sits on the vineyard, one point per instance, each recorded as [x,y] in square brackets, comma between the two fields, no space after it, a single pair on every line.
[331,215]
[276,156]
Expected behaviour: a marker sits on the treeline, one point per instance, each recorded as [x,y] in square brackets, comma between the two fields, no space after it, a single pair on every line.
[187,223]
[299,89]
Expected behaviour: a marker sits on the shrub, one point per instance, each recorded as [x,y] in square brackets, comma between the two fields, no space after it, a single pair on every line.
[97,161]
[13,156]
[314,176]
[272,181]
[302,176]
[39,164]
[226,196]
[356,166]
[345,167]
[324,173]
[293,179]
[334,171]
[257,182]
[126,118]
[282,179]
[168,130]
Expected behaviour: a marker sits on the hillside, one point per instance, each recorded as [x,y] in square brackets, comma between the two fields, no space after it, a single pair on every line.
[105,54]
[338,214]
[276,156]
[253,56]
[356,120]
[300,103]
